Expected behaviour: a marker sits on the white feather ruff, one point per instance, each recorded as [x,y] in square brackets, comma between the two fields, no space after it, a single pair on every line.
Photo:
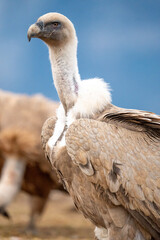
[93,96]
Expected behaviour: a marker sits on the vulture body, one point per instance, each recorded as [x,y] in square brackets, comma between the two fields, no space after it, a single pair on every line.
[22,161]
[108,158]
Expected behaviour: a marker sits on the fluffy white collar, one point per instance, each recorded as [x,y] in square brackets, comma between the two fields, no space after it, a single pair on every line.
[93,96]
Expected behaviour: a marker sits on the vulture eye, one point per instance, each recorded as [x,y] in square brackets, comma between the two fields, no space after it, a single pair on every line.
[56,24]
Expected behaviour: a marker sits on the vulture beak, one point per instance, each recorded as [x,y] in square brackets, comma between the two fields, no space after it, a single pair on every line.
[35,30]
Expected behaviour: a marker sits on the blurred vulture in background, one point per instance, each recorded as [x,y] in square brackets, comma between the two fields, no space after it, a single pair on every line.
[22,162]
[109,159]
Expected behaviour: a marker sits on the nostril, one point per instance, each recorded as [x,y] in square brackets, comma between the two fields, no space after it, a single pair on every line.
[40,24]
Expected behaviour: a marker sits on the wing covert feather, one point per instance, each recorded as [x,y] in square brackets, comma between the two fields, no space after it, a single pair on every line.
[47,131]
[135,120]
[123,162]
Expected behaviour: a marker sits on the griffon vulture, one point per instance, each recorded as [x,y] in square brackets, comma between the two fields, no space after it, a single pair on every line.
[107,157]
[22,161]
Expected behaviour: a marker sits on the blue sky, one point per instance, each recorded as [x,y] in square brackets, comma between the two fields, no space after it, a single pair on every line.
[118,41]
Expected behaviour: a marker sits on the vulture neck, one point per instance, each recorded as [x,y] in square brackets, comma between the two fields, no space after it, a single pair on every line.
[65,73]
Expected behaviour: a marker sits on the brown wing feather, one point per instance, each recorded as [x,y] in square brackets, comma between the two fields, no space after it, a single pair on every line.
[135,120]
[125,163]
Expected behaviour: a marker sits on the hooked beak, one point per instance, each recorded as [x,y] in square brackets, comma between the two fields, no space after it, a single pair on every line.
[35,30]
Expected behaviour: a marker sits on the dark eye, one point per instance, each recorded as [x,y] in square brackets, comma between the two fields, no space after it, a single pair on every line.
[56,24]
[53,24]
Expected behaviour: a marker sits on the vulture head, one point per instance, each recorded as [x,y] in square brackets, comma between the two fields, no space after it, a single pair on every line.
[54,29]
[58,32]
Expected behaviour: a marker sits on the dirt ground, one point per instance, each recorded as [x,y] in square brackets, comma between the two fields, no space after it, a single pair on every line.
[60,221]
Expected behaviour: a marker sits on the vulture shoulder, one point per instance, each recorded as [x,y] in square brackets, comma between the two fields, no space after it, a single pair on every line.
[120,153]
[134,120]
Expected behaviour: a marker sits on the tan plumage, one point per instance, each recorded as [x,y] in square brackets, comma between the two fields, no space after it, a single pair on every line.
[109,159]
[120,163]
[21,119]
